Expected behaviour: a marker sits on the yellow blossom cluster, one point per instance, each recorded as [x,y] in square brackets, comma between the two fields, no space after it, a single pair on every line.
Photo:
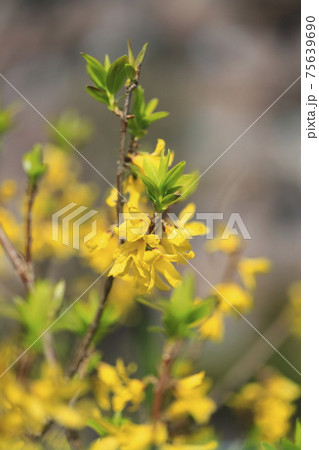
[59,187]
[191,399]
[232,298]
[27,406]
[149,250]
[295,308]
[116,390]
[271,404]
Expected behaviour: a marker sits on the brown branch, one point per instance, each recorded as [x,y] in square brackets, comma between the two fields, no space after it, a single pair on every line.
[169,356]
[17,260]
[121,160]
[28,223]
[86,342]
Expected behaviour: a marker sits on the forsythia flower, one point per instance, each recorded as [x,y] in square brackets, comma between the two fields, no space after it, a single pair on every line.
[295,308]
[232,295]
[134,189]
[142,258]
[183,230]
[249,267]
[115,381]
[130,436]
[224,241]
[10,226]
[213,327]
[99,250]
[271,405]
[191,399]
[29,408]
[7,190]
[229,295]
[138,158]
[147,258]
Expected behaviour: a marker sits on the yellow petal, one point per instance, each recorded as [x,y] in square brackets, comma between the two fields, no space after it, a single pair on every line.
[187,213]
[233,296]
[169,272]
[106,443]
[196,228]
[152,240]
[160,147]
[112,198]
[213,327]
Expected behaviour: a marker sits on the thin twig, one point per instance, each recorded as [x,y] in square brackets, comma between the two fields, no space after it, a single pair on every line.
[86,342]
[169,356]
[28,223]
[74,439]
[17,260]
[124,121]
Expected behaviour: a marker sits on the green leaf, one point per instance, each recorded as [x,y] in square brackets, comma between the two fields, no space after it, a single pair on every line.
[267,446]
[298,433]
[151,106]
[189,183]
[150,170]
[174,175]
[150,304]
[98,94]
[152,188]
[169,200]
[130,71]
[131,59]
[107,63]
[39,310]
[286,445]
[156,116]
[82,314]
[73,127]
[95,70]
[33,165]
[96,426]
[141,55]
[116,74]
[7,116]
[138,103]
[163,166]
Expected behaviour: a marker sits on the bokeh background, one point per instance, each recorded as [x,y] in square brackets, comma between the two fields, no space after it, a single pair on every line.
[215,65]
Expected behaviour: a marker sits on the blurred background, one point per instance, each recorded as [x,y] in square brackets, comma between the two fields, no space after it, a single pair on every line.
[216,65]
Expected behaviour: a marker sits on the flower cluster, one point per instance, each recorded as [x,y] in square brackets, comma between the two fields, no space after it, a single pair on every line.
[271,405]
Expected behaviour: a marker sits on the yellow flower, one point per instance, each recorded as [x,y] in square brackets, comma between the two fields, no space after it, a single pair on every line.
[183,230]
[134,189]
[232,295]
[7,190]
[10,226]
[227,243]
[142,258]
[124,390]
[295,308]
[213,327]
[138,158]
[249,267]
[191,399]
[27,408]
[99,250]
[271,405]
[130,436]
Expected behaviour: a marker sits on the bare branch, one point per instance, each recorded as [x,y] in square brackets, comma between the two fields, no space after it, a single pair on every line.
[86,342]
